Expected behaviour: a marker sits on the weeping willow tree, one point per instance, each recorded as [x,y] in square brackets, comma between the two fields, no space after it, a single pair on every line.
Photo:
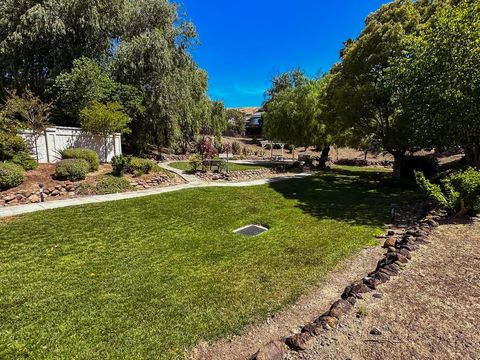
[140,44]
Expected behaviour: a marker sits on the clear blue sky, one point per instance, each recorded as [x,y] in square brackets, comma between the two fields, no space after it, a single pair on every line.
[245,43]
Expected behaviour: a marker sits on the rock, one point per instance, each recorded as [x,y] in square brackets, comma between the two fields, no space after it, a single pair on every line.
[19,197]
[380,276]
[391,250]
[300,342]
[390,242]
[9,198]
[34,199]
[55,193]
[391,233]
[12,202]
[71,193]
[402,259]
[352,300]
[377,296]
[376,332]
[274,350]
[405,253]
[355,290]
[339,308]
[328,322]
[371,282]
[314,328]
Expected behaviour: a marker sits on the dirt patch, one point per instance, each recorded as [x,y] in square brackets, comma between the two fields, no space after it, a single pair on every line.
[293,317]
[430,311]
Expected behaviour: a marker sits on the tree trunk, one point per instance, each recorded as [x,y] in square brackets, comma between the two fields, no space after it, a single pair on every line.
[324,156]
[472,155]
[398,156]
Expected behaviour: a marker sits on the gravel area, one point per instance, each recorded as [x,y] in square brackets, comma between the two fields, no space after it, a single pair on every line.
[430,311]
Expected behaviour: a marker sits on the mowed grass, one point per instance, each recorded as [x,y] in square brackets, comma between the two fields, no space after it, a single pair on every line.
[151,277]
[185,166]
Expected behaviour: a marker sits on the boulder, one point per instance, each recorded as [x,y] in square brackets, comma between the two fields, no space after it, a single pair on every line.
[390,242]
[405,253]
[34,199]
[9,198]
[339,308]
[355,290]
[328,322]
[300,342]
[314,328]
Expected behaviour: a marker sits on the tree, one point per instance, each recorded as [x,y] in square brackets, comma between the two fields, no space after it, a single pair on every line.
[32,113]
[41,39]
[288,80]
[300,116]
[440,71]
[104,120]
[218,120]
[74,90]
[364,92]
[236,121]
[141,44]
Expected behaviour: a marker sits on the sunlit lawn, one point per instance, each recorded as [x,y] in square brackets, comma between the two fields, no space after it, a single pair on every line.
[151,277]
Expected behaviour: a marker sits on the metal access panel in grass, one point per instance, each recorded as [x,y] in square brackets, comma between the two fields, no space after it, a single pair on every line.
[251,230]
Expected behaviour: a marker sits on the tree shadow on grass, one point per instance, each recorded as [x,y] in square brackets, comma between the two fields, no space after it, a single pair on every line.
[355,196]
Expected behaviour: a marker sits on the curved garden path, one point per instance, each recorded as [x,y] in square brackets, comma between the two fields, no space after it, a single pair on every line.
[192,182]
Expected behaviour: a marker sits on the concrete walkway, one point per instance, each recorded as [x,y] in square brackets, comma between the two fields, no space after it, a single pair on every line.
[195,183]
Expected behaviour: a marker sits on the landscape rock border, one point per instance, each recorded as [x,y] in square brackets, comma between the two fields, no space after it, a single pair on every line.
[69,189]
[399,248]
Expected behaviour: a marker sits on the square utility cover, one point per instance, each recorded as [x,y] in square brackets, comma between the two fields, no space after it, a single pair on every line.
[251,230]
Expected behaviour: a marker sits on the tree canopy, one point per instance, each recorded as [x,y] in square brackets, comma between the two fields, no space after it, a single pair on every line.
[132,52]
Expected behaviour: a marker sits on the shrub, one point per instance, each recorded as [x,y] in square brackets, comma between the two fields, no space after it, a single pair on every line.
[222,166]
[72,169]
[86,154]
[428,165]
[120,164]
[112,185]
[236,148]
[195,163]
[86,189]
[459,192]
[24,160]
[11,175]
[139,166]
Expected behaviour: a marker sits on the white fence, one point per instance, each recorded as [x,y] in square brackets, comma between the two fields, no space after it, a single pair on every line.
[54,140]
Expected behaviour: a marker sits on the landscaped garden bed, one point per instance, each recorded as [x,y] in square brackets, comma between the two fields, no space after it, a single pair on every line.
[139,278]
[28,191]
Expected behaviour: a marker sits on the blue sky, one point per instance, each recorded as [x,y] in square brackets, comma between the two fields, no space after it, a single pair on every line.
[245,43]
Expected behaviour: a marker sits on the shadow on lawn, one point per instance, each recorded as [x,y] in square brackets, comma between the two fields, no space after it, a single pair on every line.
[355,196]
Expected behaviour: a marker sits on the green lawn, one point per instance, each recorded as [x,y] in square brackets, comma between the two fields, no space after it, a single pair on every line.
[151,277]
[185,166]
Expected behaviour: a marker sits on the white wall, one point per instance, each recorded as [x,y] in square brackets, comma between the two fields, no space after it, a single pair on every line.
[57,139]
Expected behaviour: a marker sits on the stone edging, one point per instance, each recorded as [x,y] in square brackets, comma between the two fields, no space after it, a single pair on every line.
[399,253]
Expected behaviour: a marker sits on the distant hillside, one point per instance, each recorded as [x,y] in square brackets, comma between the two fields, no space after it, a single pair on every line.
[248,110]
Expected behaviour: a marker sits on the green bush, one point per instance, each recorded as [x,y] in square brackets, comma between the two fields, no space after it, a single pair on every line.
[10,145]
[139,166]
[11,175]
[112,185]
[428,165]
[86,154]
[459,192]
[72,169]
[222,166]
[195,163]
[25,161]
[236,148]
[120,165]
